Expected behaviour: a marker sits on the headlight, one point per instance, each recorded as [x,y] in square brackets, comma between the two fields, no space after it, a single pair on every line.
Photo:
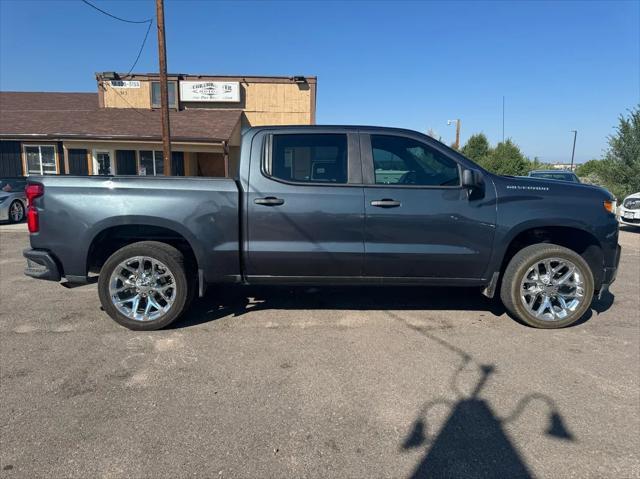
[3,199]
[610,206]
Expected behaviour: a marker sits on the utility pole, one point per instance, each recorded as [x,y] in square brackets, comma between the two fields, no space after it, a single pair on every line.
[573,152]
[164,90]
[502,118]
[456,145]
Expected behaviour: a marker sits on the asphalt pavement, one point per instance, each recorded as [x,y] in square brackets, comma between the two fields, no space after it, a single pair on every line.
[316,382]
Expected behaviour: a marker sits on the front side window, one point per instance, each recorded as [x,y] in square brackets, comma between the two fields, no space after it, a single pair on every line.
[403,161]
[41,159]
[155,94]
[310,158]
[151,163]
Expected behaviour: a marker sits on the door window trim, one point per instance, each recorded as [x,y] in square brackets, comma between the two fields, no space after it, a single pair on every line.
[354,165]
[368,169]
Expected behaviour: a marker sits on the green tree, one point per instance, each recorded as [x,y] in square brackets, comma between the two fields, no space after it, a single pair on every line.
[620,168]
[477,147]
[506,159]
[588,168]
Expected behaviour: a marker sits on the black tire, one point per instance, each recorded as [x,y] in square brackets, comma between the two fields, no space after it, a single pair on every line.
[518,267]
[172,259]
[18,204]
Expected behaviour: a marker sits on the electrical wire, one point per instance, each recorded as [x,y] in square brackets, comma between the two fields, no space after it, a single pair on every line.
[141,48]
[144,41]
[113,16]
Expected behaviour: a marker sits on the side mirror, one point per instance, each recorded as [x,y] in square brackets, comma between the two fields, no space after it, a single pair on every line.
[471,179]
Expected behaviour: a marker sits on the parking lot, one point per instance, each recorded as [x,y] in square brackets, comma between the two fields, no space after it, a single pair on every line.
[307,382]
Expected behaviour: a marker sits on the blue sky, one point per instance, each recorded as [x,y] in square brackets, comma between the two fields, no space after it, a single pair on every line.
[560,65]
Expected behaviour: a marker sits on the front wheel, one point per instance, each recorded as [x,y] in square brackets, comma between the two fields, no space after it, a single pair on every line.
[144,286]
[547,286]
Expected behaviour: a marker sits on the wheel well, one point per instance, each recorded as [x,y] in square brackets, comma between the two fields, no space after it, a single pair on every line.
[112,239]
[580,241]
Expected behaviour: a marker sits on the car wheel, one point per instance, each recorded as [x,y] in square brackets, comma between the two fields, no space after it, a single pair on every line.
[144,285]
[547,286]
[16,211]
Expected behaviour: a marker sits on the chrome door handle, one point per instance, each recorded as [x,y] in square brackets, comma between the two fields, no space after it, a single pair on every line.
[269,201]
[386,203]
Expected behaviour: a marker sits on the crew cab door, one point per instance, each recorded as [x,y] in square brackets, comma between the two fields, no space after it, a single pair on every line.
[419,221]
[304,208]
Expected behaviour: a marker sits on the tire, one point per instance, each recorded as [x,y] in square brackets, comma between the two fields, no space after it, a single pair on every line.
[19,208]
[519,269]
[173,283]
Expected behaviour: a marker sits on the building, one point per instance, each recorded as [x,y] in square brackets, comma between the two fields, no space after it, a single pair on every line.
[117,130]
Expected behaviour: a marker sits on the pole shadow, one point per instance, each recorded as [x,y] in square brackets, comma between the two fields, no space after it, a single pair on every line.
[472,443]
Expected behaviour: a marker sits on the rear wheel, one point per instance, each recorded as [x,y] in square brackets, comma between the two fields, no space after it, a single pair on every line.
[144,286]
[547,286]
[16,211]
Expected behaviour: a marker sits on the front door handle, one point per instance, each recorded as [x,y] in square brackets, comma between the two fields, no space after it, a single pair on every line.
[269,201]
[386,203]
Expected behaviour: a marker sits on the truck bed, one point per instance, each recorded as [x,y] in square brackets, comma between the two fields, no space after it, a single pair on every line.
[76,213]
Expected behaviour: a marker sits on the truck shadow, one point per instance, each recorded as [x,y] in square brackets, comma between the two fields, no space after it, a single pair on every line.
[221,301]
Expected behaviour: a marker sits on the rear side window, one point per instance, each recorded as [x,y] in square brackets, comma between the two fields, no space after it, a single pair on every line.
[402,161]
[314,158]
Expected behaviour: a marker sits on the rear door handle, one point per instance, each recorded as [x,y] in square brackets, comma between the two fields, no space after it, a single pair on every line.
[269,201]
[386,203]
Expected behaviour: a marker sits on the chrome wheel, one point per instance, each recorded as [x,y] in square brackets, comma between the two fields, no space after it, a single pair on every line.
[552,289]
[142,288]
[16,211]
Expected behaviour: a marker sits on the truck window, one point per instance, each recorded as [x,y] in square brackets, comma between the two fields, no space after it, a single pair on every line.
[402,161]
[312,158]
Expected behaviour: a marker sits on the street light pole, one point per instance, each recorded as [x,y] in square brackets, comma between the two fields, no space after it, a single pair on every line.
[573,152]
[457,143]
[164,90]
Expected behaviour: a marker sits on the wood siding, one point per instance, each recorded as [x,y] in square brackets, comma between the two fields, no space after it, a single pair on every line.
[126,97]
[265,101]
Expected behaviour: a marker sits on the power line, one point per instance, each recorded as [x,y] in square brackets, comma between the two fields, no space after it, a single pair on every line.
[113,16]
[144,41]
[141,48]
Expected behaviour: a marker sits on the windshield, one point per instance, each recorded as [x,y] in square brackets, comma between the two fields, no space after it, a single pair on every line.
[10,185]
[555,176]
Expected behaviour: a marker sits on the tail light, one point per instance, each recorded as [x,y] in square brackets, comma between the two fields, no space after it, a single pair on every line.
[33,191]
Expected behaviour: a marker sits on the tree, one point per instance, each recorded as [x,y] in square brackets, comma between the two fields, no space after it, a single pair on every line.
[506,159]
[620,168]
[477,147]
[588,168]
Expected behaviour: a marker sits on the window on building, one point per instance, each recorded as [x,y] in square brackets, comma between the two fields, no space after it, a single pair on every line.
[317,158]
[402,161]
[41,159]
[155,94]
[151,163]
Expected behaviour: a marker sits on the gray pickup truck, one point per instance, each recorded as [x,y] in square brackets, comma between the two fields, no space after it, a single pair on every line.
[327,205]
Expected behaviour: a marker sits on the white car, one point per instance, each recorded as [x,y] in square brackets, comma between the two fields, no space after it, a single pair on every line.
[629,210]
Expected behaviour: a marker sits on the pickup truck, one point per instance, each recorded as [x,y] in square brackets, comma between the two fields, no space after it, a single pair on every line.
[327,205]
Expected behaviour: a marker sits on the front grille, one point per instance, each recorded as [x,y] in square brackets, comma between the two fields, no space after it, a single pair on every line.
[632,204]
[635,221]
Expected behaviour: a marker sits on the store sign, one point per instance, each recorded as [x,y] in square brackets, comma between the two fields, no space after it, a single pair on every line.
[124,84]
[215,91]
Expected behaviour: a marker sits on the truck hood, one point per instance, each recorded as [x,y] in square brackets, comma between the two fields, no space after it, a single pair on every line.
[527,183]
